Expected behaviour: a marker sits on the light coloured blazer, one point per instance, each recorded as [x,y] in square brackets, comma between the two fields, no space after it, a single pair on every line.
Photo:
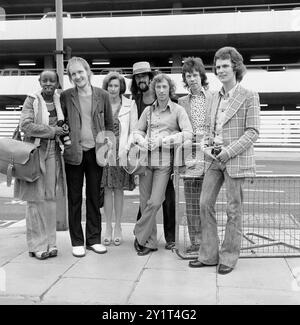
[128,118]
[240,130]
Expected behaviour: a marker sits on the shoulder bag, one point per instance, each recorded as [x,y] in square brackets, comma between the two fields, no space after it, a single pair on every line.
[137,157]
[19,159]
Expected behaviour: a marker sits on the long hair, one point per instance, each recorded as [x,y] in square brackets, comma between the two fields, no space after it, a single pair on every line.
[114,75]
[134,89]
[194,63]
[159,78]
[236,58]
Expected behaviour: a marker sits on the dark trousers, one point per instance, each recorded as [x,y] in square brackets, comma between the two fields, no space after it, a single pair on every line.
[168,213]
[75,176]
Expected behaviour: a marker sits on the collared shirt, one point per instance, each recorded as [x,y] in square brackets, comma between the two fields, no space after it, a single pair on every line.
[172,120]
[198,112]
[221,113]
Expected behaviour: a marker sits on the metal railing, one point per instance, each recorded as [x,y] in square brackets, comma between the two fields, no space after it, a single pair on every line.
[165,69]
[271,214]
[270,222]
[162,11]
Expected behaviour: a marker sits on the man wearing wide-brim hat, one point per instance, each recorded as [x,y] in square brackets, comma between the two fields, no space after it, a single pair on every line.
[140,67]
[141,76]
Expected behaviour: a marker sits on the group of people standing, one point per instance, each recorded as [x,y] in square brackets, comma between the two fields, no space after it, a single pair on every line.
[226,122]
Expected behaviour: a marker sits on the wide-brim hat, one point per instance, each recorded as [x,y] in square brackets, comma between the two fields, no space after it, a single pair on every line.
[140,67]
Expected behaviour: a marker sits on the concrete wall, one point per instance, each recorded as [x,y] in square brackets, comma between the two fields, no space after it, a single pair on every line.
[194,24]
[259,80]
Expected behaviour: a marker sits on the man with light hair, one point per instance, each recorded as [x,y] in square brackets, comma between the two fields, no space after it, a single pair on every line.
[142,76]
[88,112]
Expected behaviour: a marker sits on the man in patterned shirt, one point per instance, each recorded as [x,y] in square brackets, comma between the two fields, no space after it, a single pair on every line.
[228,144]
[196,104]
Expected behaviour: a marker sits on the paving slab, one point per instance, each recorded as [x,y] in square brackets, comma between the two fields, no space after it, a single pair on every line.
[64,257]
[89,291]
[11,247]
[119,263]
[16,301]
[168,260]
[293,263]
[247,296]
[30,279]
[168,287]
[122,277]
[268,273]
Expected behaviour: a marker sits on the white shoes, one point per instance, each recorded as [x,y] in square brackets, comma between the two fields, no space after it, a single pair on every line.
[78,251]
[97,248]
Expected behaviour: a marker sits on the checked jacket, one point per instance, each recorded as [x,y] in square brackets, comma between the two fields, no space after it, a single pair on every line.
[240,130]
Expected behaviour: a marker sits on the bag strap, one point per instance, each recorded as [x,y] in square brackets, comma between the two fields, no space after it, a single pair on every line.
[150,121]
[9,174]
[17,135]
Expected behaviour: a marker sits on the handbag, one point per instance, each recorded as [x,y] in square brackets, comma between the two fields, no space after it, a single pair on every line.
[19,159]
[137,157]
[104,153]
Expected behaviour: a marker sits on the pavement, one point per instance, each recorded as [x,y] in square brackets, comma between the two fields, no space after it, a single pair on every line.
[121,277]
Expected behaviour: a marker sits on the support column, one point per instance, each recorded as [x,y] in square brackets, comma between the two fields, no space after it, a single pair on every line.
[62,210]
[59,41]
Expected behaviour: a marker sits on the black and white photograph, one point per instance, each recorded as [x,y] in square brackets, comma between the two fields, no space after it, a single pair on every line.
[149,157]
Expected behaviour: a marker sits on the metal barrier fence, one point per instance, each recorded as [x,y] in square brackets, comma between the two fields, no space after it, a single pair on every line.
[271,215]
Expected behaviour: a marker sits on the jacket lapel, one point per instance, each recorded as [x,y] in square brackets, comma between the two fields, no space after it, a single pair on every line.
[95,101]
[235,103]
[75,100]
[186,103]
[126,105]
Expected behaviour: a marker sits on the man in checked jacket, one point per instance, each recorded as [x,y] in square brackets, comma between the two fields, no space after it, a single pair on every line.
[234,127]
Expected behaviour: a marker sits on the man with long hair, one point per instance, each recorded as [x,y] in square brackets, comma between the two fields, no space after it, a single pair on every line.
[161,126]
[196,103]
[142,76]
[228,146]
